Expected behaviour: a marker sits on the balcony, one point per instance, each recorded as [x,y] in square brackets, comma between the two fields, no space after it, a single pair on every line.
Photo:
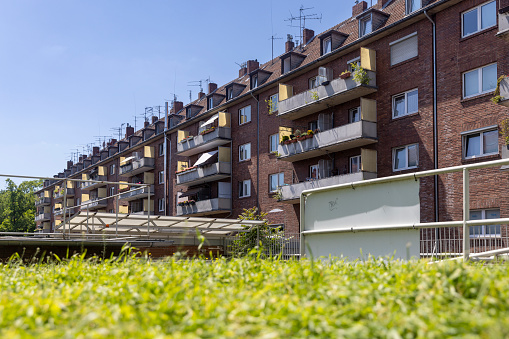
[46,201]
[200,175]
[140,193]
[93,204]
[338,91]
[43,217]
[337,139]
[59,211]
[87,185]
[137,166]
[503,23]
[60,194]
[202,143]
[504,92]
[290,194]
[206,207]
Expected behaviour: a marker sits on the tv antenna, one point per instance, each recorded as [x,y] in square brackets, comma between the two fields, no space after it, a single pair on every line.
[118,130]
[196,84]
[148,111]
[135,119]
[190,95]
[273,37]
[302,20]
[159,110]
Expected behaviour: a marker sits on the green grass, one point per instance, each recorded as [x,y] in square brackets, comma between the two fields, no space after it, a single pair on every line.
[253,298]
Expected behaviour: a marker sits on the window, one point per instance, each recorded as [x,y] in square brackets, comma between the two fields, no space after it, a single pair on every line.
[276,180]
[273,103]
[161,177]
[244,188]
[355,164]
[112,169]
[485,230]
[313,125]
[405,103]
[244,115]
[211,102]
[254,81]
[112,191]
[365,26]
[273,142]
[405,157]
[412,6]
[479,18]
[161,149]
[480,143]
[245,152]
[326,45]
[314,172]
[287,65]
[161,205]
[229,93]
[404,49]
[354,114]
[480,80]
[356,62]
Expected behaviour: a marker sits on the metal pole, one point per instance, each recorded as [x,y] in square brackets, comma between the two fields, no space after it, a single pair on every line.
[148,212]
[257,236]
[466,215]
[65,205]
[116,222]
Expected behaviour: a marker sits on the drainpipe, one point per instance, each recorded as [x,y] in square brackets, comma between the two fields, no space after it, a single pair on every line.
[435,128]
[257,152]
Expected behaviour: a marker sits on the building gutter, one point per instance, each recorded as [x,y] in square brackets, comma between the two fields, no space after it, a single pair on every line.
[257,151]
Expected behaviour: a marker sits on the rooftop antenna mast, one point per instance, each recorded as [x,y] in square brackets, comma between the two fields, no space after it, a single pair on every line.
[190,95]
[148,112]
[135,119]
[196,84]
[273,37]
[302,20]
[159,110]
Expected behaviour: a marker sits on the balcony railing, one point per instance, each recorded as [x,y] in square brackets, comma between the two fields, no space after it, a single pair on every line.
[206,207]
[43,217]
[93,204]
[503,24]
[137,166]
[87,185]
[60,194]
[337,139]
[201,143]
[290,194]
[46,201]
[317,99]
[212,172]
[504,92]
[137,193]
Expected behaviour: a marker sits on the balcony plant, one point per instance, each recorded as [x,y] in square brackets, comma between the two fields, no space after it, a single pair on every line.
[285,139]
[496,95]
[345,75]
[271,106]
[314,95]
[208,130]
[360,75]
[504,131]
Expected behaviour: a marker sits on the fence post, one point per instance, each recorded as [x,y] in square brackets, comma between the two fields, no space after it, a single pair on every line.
[466,214]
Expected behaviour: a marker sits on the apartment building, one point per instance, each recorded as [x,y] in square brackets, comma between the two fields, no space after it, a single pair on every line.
[402,86]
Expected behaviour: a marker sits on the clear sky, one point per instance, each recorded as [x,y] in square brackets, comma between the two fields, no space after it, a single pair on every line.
[71,70]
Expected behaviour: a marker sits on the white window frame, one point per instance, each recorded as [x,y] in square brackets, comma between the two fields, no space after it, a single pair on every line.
[350,163]
[243,113]
[274,99]
[406,167]
[353,61]
[112,169]
[479,14]
[314,167]
[369,21]
[287,65]
[280,181]
[245,188]
[211,102]
[405,38]
[480,131]
[479,71]
[254,81]
[229,93]
[407,112]
[324,43]
[273,142]
[161,205]
[483,227]
[351,114]
[245,152]
[161,149]
[407,7]
[112,191]
[161,177]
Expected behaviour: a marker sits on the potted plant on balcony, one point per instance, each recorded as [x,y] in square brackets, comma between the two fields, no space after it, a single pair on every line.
[496,95]
[345,75]
[360,75]
[208,130]
[293,138]
[285,140]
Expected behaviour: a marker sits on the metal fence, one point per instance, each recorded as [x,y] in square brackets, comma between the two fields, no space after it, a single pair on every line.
[286,245]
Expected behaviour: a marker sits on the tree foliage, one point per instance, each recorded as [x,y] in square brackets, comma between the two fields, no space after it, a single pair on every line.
[269,237]
[17,206]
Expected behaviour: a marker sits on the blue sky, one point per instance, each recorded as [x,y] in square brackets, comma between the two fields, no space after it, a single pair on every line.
[72,70]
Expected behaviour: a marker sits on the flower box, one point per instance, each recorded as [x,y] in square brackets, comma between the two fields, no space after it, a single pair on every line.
[345,75]
[207,131]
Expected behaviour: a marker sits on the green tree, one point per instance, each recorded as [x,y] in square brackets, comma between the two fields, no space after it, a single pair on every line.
[17,206]
[269,238]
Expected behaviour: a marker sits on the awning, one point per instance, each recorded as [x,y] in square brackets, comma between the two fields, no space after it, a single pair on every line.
[211,120]
[126,160]
[191,192]
[207,158]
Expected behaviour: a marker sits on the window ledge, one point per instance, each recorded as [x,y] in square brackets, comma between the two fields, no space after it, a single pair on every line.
[487,94]
[406,170]
[405,116]
[480,158]
[404,62]
[245,197]
[473,35]
[245,123]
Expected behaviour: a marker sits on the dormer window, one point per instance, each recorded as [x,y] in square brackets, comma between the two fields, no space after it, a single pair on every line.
[258,77]
[365,26]
[233,90]
[254,81]
[189,113]
[413,5]
[327,46]
[287,65]
[192,110]
[229,92]
[291,61]
[211,102]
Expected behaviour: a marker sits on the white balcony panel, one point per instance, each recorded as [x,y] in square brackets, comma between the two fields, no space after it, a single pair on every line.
[88,186]
[202,143]
[137,166]
[206,207]
[135,194]
[200,175]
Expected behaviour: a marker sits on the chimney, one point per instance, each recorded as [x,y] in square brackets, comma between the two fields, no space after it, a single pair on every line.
[84,157]
[307,35]
[359,8]
[382,3]
[252,65]
[177,107]
[242,71]
[95,150]
[145,124]
[69,164]
[81,158]
[113,141]
[289,45]
[212,87]
[201,95]
[129,130]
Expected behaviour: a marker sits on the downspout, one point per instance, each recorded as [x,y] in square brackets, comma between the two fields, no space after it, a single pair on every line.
[165,170]
[257,151]
[435,128]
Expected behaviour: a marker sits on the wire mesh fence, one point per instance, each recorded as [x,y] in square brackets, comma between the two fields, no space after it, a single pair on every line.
[286,245]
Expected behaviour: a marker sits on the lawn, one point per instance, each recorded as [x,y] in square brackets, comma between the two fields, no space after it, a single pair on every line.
[136,297]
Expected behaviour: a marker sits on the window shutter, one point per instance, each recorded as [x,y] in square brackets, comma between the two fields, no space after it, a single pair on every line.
[404,50]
